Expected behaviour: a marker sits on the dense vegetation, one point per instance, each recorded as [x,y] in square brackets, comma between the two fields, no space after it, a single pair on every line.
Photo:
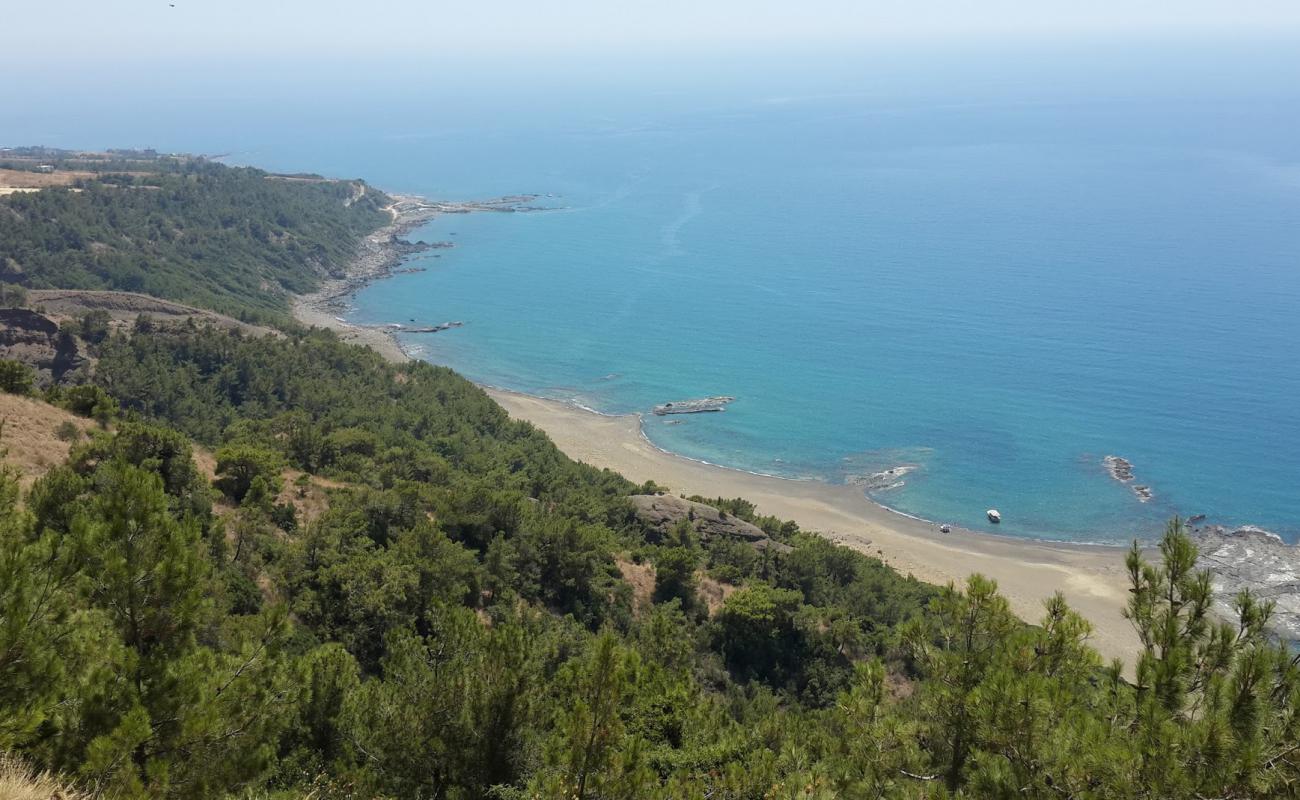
[474,615]
[457,625]
[235,240]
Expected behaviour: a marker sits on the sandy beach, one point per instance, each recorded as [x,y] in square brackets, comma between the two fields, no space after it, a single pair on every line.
[1092,578]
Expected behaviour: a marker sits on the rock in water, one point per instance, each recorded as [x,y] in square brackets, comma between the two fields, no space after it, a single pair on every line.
[703,404]
[1121,469]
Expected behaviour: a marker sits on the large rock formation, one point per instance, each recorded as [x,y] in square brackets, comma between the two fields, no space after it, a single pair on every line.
[34,339]
[663,511]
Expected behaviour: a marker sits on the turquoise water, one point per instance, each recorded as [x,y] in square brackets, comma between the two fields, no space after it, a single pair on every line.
[997,290]
[1001,314]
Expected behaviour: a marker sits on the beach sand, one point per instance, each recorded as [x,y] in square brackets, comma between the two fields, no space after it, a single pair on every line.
[1092,578]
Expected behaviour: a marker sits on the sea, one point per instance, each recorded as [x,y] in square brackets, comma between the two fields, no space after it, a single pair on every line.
[985,271]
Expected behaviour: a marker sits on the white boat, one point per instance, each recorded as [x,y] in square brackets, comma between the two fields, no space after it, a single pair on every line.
[994,515]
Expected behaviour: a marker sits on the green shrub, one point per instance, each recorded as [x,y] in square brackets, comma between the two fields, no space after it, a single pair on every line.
[238,466]
[16,377]
[12,296]
[88,401]
[67,431]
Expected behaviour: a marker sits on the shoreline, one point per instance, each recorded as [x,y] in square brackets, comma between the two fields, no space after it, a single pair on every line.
[1028,571]
[379,254]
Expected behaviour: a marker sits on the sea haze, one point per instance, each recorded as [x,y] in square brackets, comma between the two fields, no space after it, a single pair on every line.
[996,283]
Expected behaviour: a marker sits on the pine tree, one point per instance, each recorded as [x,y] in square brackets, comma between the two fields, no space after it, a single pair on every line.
[34,619]
[591,755]
[1217,706]
[960,643]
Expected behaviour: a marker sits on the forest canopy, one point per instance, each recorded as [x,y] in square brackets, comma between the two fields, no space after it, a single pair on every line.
[232,239]
[462,619]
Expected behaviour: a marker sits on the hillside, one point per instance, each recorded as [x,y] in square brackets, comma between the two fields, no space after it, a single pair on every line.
[393,590]
[231,239]
[247,563]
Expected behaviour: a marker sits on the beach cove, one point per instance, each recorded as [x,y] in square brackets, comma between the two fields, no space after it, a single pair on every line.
[1091,577]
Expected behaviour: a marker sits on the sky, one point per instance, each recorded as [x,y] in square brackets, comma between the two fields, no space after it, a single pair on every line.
[106,30]
[69,66]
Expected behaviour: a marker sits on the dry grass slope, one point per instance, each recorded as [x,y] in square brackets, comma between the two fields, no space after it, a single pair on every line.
[19,782]
[30,438]
[642,579]
[713,592]
[24,179]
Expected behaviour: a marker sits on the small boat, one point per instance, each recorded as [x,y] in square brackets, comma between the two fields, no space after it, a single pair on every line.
[994,515]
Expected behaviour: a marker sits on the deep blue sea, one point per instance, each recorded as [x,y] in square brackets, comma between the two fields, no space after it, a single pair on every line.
[996,285]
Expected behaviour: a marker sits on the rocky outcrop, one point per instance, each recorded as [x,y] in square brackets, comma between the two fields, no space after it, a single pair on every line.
[884,480]
[1255,559]
[1121,469]
[663,511]
[124,307]
[34,339]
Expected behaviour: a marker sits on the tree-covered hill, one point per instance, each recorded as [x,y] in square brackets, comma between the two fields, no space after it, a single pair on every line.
[459,622]
[468,614]
[235,240]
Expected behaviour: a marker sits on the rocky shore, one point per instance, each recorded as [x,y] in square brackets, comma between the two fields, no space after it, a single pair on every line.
[380,255]
[1253,558]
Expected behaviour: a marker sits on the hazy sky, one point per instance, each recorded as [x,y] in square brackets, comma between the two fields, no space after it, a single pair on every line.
[50,30]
